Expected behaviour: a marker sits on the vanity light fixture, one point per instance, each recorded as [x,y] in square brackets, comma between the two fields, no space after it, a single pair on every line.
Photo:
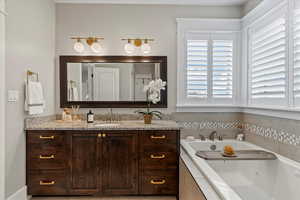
[134,43]
[93,42]
[129,47]
[78,46]
[146,48]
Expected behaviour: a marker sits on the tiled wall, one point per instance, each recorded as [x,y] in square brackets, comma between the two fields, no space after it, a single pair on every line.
[276,134]
[194,124]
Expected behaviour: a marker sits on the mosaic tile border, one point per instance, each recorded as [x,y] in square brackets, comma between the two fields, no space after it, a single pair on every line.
[278,135]
[210,124]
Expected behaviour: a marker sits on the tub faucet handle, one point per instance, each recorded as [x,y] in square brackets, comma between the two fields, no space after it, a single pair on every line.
[220,138]
[202,138]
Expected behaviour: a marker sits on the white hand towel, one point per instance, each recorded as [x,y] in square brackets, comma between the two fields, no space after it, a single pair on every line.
[35,103]
[73,94]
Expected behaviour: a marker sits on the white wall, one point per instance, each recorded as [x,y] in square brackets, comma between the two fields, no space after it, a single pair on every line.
[2,99]
[116,21]
[30,39]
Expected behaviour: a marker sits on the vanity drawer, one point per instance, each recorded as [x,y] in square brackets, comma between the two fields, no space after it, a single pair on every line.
[159,183]
[47,183]
[46,157]
[159,137]
[159,160]
[159,148]
[44,138]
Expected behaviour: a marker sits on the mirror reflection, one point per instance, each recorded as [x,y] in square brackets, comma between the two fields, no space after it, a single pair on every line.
[110,81]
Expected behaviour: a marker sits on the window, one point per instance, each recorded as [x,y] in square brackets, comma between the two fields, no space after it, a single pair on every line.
[208,55]
[268,79]
[209,67]
[222,56]
[296,32]
[197,67]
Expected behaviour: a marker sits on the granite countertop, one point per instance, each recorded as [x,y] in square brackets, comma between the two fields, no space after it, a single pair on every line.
[101,125]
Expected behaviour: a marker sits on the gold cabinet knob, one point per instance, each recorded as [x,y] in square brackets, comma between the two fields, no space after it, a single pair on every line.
[47,182]
[158,156]
[104,135]
[158,182]
[100,135]
[47,157]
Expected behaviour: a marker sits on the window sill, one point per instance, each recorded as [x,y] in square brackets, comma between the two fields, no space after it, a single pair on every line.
[281,112]
[208,108]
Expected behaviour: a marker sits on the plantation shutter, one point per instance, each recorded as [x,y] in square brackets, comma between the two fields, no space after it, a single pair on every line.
[222,68]
[297,55]
[197,68]
[268,61]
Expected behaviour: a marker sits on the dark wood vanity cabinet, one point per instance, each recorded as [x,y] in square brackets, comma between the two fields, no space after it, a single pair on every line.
[120,164]
[84,160]
[102,163]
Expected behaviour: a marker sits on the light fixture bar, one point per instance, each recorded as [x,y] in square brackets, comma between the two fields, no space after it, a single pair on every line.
[132,39]
[85,38]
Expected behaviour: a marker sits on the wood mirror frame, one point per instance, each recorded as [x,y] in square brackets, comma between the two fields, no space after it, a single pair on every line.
[110,59]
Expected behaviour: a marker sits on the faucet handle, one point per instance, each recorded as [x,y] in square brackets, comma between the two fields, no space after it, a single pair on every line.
[220,138]
[202,138]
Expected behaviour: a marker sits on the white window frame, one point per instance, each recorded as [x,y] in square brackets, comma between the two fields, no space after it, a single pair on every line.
[283,102]
[219,28]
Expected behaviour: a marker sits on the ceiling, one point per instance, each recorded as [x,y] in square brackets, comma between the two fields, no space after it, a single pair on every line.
[163,2]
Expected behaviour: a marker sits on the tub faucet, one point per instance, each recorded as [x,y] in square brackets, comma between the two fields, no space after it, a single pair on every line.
[213,135]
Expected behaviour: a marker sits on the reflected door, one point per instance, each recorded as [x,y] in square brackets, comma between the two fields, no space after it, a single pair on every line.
[106,84]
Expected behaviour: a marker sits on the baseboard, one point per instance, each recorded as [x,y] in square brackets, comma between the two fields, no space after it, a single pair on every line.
[21,194]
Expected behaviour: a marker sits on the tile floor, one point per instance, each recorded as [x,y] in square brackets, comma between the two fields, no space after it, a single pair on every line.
[104,198]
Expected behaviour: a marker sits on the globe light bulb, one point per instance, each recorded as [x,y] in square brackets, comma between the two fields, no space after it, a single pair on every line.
[96,47]
[78,46]
[129,48]
[146,48]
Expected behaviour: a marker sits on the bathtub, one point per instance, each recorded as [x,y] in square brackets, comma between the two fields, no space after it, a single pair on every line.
[246,179]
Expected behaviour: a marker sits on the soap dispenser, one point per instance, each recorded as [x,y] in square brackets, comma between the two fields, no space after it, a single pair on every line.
[90,117]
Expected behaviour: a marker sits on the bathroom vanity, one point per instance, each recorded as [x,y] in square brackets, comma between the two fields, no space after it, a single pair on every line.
[81,159]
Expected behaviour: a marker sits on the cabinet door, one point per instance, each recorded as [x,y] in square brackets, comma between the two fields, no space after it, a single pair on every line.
[84,170]
[120,164]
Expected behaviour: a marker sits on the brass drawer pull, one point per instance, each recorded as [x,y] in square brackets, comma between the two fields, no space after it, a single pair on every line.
[47,182]
[102,135]
[158,157]
[158,137]
[47,137]
[47,157]
[158,182]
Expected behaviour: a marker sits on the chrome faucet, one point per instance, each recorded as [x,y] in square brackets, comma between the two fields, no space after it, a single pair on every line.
[111,117]
[213,135]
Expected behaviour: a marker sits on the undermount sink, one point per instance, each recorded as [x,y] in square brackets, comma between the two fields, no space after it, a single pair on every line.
[107,125]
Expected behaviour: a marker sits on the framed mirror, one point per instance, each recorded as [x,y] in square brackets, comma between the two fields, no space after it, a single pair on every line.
[110,81]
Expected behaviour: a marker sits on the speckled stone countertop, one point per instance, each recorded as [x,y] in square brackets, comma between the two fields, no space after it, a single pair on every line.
[101,125]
